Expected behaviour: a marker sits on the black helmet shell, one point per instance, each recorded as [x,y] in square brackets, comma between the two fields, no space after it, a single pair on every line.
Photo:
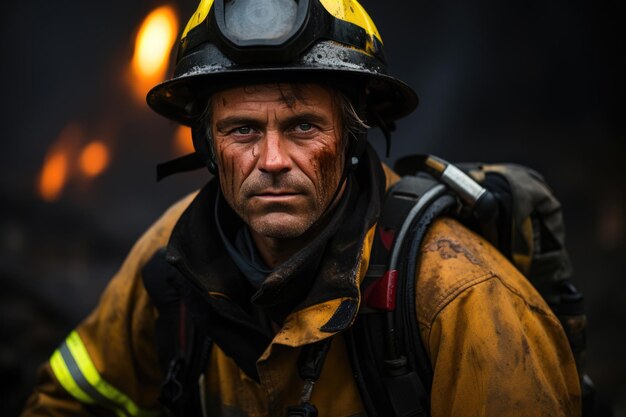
[353,61]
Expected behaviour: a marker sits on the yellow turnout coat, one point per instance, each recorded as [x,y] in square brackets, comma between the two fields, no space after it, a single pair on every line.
[495,346]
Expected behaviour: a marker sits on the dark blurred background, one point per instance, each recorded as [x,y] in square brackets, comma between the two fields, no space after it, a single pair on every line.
[537,82]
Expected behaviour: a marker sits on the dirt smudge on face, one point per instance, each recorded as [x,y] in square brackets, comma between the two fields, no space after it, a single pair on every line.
[291,94]
[449,249]
[328,172]
[226,169]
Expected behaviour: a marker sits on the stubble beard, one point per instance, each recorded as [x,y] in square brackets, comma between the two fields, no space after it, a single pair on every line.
[276,220]
[275,226]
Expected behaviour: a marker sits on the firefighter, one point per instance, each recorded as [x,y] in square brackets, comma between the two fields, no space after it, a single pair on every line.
[228,304]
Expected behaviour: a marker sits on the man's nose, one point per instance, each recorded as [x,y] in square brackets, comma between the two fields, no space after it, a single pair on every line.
[273,158]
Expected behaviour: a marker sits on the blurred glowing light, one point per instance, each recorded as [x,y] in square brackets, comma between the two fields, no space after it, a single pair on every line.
[94,159]
[53,175]
[153,44]
[182,140]
[56,168]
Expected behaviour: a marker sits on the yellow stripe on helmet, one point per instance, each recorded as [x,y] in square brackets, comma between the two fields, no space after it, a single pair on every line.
[198,17]
[351,11]
[348,10]
[102,392]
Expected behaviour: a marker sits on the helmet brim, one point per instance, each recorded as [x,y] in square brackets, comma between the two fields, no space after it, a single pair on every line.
[182,98]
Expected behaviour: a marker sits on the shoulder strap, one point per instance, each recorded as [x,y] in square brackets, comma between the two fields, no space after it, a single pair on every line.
[183,347]
[389,360]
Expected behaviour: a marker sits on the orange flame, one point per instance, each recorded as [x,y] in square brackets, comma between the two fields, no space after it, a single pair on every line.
[56,167]
[183,143]
[68,159]
[153,44]
[53,175]
[94,159]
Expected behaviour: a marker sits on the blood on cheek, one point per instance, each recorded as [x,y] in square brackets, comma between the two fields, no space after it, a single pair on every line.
[327,167]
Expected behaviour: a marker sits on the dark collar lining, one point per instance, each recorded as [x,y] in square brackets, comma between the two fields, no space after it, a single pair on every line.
[240,247]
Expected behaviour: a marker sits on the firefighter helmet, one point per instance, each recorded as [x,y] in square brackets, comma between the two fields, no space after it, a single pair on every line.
[232,42]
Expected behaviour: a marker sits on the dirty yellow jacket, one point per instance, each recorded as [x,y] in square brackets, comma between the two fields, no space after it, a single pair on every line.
[495,347]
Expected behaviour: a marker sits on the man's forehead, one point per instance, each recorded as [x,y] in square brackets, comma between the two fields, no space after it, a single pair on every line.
[289,94]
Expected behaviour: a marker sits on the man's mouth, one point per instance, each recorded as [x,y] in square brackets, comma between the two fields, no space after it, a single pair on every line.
[276,195]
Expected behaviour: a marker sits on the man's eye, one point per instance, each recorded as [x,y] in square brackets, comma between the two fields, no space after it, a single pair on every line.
[244,130]
[305,127]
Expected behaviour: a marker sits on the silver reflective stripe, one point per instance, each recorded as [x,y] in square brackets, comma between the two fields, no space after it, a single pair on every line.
[83,384]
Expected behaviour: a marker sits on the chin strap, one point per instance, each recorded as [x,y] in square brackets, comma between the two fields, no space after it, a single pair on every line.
[185,163]
[386,128]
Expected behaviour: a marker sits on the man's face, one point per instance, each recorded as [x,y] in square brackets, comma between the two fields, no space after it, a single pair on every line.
[279,154]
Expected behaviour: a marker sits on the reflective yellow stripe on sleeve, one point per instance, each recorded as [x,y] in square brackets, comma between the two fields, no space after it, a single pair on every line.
[78,375]
[65,378]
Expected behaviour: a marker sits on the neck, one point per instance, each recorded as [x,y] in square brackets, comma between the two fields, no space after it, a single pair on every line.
[276,251]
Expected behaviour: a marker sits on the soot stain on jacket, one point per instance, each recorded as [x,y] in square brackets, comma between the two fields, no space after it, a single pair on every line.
[449,249]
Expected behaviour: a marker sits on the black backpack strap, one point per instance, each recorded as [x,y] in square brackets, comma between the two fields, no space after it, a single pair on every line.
[406,319]
[183,347]
[389,361]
